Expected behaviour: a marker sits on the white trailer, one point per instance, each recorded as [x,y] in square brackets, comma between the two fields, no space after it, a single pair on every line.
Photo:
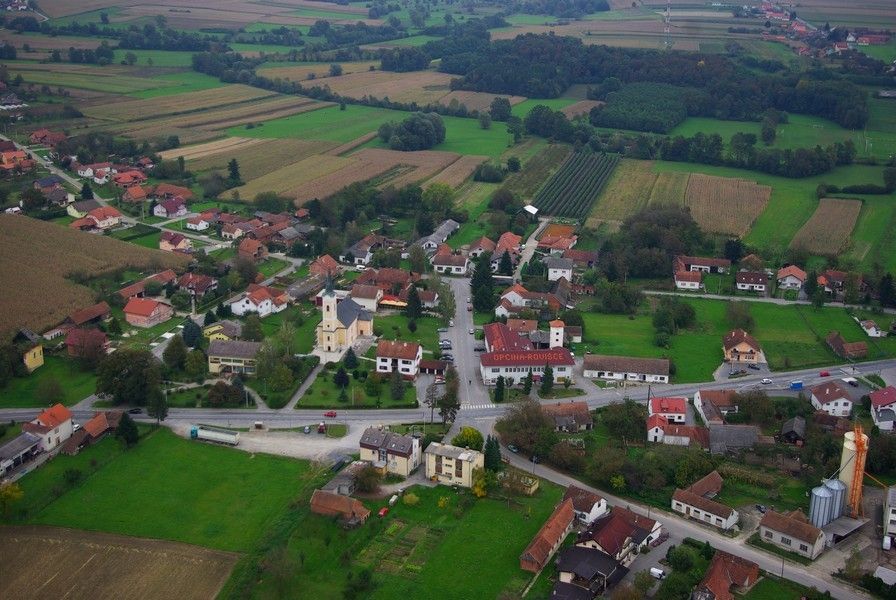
[212,434]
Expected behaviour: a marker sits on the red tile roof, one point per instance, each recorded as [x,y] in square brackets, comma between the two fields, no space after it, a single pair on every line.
[657,420]
[668,405]
[521,326]
[727,570]
[324,265]
[78,339]
[484,244]
[90,313]
[48,419]
[751,277]
[367,292]
[719,398]
[689,276]
[738,336]
[705,504]
[582,500]
[531,358]
[884,397]
[709,485]
[536,555]
[830,391]
[399,350]
[705,261]
[97,426]
[249,246]
[499,338]
[167,189]
[330,504]
[792,270]
[104,212]
[141,307]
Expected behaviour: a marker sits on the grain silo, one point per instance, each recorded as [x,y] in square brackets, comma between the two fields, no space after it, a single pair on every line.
[838,489]
[821,505]
[852,467]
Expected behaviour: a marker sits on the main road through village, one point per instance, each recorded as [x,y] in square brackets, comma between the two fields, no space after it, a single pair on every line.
[478,410]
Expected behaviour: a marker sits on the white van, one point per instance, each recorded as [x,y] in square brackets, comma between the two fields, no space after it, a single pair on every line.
[657,573]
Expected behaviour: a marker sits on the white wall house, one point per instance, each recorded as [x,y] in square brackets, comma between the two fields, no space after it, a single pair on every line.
[831,398]
[53,426]
[704,510]
[751,281]
[688,280]
[623,368]
[260,302]
[403,357]
[450,264]
[559,267]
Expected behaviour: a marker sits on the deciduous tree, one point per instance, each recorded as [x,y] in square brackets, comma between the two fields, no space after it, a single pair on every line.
[127,430]
[468,437]
[175,353]
[129,376]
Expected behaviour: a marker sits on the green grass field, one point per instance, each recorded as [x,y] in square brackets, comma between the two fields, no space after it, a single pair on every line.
[772,588]
[98,82]
[414,40]
[872,240]
[395,327]
[159,58]
[304,337]
[522,109]
[171,488]
[75,383]
[172,84]
[271,266]
[463,136]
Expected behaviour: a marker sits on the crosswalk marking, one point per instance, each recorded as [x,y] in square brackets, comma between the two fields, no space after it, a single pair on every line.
[476,406]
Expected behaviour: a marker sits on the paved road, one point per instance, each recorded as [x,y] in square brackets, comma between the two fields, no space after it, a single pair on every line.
[529,248]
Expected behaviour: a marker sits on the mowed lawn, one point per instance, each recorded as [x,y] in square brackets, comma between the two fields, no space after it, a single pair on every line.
[463,136]
[171,488]
[75,383]
[395,327]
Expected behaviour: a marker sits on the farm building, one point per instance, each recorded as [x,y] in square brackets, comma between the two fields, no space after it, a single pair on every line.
[252,249]
[346,508]
[439,236]
[792,532]
[145,312]
[697,503]
[536,556]
[844,349]
[624,368]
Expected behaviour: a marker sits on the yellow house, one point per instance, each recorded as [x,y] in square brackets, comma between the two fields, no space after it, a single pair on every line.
[390,452]
[342,323]
[452,465]
[223,330]
[33,358]
[740,346]
[32,350]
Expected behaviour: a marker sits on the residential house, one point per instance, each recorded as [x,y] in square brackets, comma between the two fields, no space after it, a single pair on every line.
[514,366]
[688,280]
[697,503]
[726,572]
[171,241]
[138,288]
[883,407]
[31,349]
[589,569]
[80,208]
[871,329]
[732,438]
[167,191]
[18,451]
[145,312]
[232,356]
[587,505]
[349,510]
[452,465]
[127,179]
[621,534]
[59,197]
[660,430]
[451,264]
[791,278]
[539,551]
[197,284]
[50,182]
[47,137]
[341,325]
[624,368]
[481,246]
[261,300]
[15,160]
[325,266]
[198,223]
[368,296]
[390,452]
[559,267]
[569,417]
[232,231]
[751,281]
[516,299]
[53,426]
[700,263]
[223,330]
[135,194]
[714,405]
[439,236]
[252,249]
[91,315]
[557,238]
[741,347]
[84,343]
[832,398]
[792,532]
[403,357]
[90,171]
[844,349]
[583,259]
[102,218]
[429,299]
[673,409]
[510,243]
[361,252]
[391,281]
[793,431]
[170,208]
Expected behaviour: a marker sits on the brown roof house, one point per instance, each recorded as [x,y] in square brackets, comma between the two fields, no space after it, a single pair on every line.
[403,357]
[252,249]
[726,572]
[624,368]
[569,416]
[697,503]
[349,510]
[390,452]
[620,534]
[548,539]
[325,266]
[793,532]
[844,349]
[588,505]
[92,314]
[713,405]
[740,346]
[831,397]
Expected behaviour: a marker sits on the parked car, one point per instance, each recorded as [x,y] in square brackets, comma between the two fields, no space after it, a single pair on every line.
[753,366]
[448,357]
[513,448]
[135,411]
[439,380]
[657,573]
[469,308]
[307,429]
[761,508]
[851,381]
[450,322]
[442,330]
[331,414]
[472,331]
[765,381]
[824,374]
[383,511]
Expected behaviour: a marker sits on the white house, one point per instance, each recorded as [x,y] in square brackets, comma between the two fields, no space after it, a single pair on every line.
[701,507]
[673,409]
[197,224]
[559,267]
[90,170]
[883,409]
[588,506]
[260,300]
[101,176]
[439,236]
[53,426]
[688,280]
[173,207]
[832,398]
[792,532]
[751,281]
[871,329]
[403,357]
[791,278]
[660,431]
[624,368]
[451,264]
[367,296]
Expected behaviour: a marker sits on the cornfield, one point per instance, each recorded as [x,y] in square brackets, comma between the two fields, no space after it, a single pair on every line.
[828,230]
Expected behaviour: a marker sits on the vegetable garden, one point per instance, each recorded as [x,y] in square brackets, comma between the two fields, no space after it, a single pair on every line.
[573,189]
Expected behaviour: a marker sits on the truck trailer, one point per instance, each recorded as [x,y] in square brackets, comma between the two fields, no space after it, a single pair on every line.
[212,434]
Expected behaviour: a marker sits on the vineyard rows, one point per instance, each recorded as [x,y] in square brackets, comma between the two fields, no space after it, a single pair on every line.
[575,186]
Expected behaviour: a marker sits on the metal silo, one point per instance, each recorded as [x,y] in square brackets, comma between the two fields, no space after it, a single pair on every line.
[821,506]
[838,489]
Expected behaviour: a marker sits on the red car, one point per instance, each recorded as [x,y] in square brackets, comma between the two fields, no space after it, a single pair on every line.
[383,511]
[824,374]
[331,414]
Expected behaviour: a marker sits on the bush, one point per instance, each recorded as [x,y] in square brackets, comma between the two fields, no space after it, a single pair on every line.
[410,499]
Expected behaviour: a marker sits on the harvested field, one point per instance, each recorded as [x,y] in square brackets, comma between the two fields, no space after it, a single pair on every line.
[459,171]
[726,205]
[349,146]
[828,230]
[582,107]
[300,72]
[257,161]
[669,188]
[477,100]
[42,295]
[131,110]
[627,191]
[422,87]
[46,42]
[52,562]
[286,180]
[230,144]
